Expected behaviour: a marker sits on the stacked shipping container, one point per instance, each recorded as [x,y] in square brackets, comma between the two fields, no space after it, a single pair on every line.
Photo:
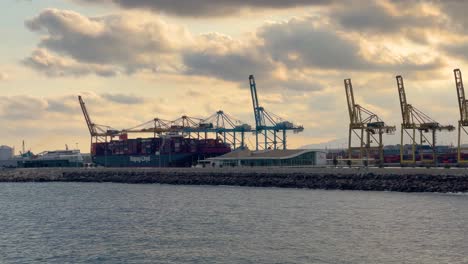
[159,151]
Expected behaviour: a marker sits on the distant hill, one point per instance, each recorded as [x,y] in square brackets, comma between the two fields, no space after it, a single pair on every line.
[333,144]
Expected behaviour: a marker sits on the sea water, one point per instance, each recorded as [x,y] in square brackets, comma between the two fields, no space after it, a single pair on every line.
[122,223]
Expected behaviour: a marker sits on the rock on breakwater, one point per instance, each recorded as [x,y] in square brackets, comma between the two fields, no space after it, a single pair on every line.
[372,179]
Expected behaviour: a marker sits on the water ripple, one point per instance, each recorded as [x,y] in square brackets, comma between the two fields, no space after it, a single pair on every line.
[120,223]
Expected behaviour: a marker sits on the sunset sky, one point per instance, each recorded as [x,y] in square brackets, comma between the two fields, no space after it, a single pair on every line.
[134,60]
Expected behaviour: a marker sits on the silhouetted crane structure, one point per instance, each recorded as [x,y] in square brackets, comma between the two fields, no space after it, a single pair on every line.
[270,129]
[463,122]
[186,124]
[156,126]
[229,129]
[99,133]
[365,126]
[219,125]
[416,122]
[192,127]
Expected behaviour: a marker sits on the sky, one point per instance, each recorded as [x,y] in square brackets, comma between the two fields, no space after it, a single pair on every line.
[135,60]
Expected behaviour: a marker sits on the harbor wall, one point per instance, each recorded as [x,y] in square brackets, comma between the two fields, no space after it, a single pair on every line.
[372,179]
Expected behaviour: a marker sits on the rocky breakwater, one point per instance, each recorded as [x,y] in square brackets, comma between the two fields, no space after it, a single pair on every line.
[372,179]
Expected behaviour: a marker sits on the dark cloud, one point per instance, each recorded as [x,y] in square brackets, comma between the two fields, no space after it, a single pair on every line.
[234,66]
[55,66]
[237,67]
[298,43]
[123,98]
[126,42]
[377,18]
[65,105]
[209,8]
[459,50]
[22,107]
[77,45]
[455,11]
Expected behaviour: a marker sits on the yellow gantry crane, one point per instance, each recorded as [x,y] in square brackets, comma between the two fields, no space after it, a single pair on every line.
[416,123]
[366,127]
[463,122]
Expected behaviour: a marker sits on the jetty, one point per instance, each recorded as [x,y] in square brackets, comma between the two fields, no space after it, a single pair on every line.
[366,179]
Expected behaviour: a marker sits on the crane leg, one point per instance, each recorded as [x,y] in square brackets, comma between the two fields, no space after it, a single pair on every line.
[349,144]
[459,142]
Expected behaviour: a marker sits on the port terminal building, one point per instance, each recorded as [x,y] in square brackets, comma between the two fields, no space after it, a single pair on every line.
[54,159]
[268,158]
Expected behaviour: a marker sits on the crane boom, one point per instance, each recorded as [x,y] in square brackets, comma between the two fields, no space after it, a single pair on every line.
[463,122]
[403,103]
[350,99]
[461,95]
[90,124]
[256,107]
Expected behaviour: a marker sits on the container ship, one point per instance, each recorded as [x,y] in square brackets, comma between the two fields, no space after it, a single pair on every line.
[179,143]
[164,151]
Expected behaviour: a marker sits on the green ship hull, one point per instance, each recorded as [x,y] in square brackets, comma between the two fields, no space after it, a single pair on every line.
[173,160]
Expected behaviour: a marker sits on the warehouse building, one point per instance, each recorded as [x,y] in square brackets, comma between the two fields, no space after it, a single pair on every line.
[266,158]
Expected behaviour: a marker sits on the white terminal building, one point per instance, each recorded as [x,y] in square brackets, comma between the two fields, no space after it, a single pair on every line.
[269,158]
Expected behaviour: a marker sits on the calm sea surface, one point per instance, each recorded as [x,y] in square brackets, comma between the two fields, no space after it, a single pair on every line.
[119,223]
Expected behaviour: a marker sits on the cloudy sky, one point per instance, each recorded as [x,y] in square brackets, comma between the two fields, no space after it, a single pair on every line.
[134,60]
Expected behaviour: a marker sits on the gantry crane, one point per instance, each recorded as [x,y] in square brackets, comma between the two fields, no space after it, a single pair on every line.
[415,121]
[269,126]
[219,125]
[463,122]
[366,127]
[191,127]
[231,130]
[185,123]
[156,126]
[99,133]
